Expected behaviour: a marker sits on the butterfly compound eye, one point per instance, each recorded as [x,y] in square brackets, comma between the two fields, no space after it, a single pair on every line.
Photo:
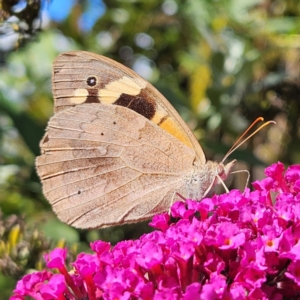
[91,81]
[220,170]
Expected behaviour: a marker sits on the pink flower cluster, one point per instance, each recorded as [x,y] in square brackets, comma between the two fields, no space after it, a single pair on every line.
[231,246]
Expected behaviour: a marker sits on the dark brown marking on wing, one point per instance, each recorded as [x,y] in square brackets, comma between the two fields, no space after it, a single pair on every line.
[69,54]
[163,119]
[44,140]
[139,103]
[92,96]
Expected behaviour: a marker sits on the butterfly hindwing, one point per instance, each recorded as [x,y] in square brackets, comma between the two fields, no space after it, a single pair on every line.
[96,171]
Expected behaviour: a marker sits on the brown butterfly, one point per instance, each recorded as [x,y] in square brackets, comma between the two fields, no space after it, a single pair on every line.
[116,151]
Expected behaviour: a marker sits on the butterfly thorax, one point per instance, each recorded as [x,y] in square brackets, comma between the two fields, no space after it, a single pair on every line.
[205,177]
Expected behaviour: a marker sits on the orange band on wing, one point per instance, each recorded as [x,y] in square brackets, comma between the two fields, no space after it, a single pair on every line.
[170,126]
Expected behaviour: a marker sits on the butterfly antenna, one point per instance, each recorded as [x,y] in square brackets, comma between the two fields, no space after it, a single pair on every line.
[238,143]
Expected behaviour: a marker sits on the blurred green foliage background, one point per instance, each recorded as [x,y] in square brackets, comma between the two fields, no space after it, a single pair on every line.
[220,63]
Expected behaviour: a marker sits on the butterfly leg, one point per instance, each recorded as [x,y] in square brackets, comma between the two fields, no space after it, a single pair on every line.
[248,176]
[173,198]
[180,196]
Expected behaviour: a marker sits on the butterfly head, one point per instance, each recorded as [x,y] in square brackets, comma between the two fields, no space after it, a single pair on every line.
[204,177]
[218,172]
[222,170]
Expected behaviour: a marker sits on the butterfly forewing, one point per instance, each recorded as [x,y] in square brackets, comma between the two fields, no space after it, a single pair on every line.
[83,77]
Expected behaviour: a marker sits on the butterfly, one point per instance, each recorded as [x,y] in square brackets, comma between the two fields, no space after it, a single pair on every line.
[116,151]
